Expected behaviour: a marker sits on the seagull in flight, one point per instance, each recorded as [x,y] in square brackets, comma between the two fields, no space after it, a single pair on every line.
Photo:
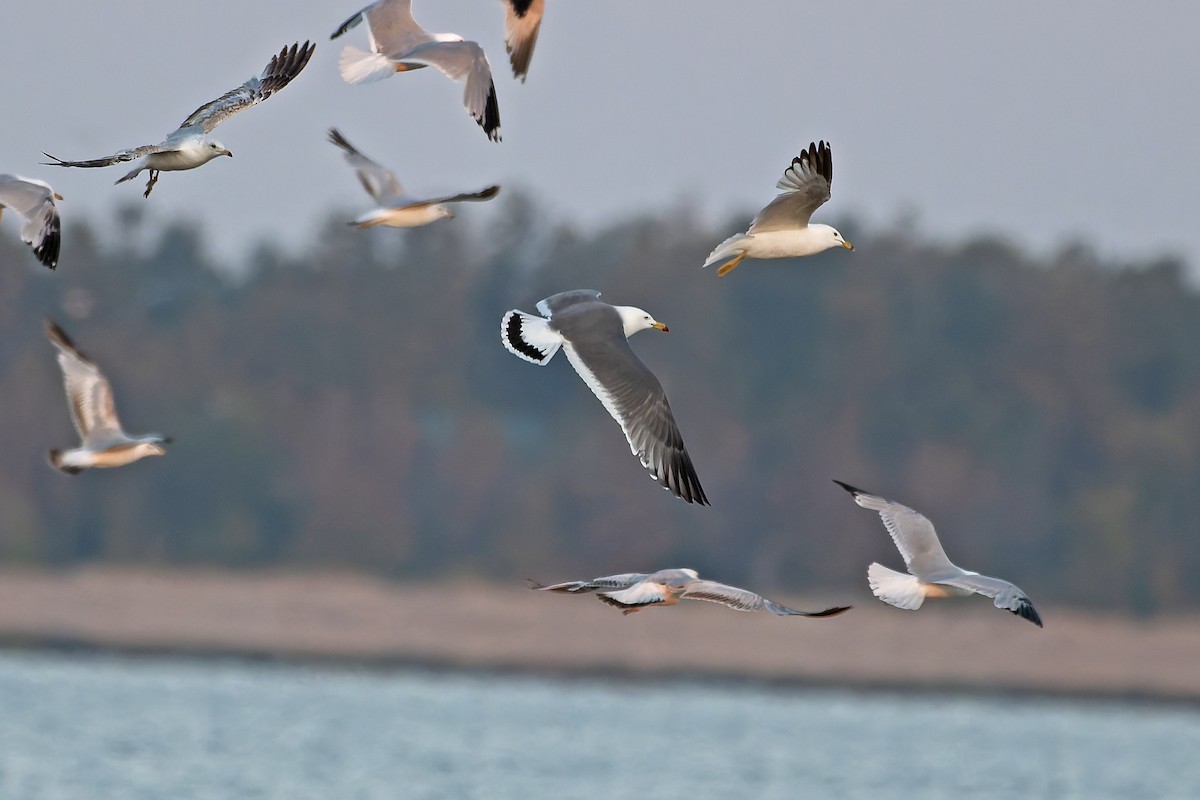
[34,201]
[635,590]
[522,21]
[594,335]
[930,572]
[781,229]
[399,44]
[396,209]
[189,146]
[90,399]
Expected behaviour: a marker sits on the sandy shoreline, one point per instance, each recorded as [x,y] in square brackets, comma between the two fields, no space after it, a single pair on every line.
[355,619]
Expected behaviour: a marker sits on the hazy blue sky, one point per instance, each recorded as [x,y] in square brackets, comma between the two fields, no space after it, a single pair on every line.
[1043,121]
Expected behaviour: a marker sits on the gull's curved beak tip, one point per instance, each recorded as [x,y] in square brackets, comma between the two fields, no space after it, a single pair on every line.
[848,246]
[227,153]
[661,327]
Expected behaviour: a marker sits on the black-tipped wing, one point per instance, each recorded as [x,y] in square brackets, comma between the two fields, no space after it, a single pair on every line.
[805,188]
[108,161]
[464,60]
[636,400]
[278,73]
[379,181]
[745,600]
[522,21]
[1004,594]
[34,201]
[579,587]
[483,194]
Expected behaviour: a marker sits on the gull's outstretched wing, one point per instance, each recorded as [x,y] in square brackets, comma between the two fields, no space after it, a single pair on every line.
[913,534]
[34,200]
[482,194]
[278,73]
[392,28]
[459,60]
[1004,594]
[576,587]
[89,395]
[805,186]
[379,181]
[115,158]
[522,21]
[745,600]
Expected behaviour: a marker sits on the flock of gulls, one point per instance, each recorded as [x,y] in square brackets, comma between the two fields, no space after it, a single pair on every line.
[592,333]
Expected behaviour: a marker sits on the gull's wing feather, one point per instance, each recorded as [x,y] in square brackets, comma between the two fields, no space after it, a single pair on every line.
[805,186]
[89,394]
[459,60]
[522,21]
[34,200]
[116,158]
[482,194]
[1004,594]
[278,73]
[633,396]
[379,181]
[574,587]
[393,29]
[745,600]
[913,534]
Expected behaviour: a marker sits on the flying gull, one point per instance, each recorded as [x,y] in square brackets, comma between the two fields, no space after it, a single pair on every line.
[89,396]
[594,334]
[396,209]
[781,229]
[633,591]
[189,146]
[931,574]
[522,20]
[399,44]
[34,201]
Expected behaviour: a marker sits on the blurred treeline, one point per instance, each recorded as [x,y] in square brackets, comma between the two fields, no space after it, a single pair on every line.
[353,407]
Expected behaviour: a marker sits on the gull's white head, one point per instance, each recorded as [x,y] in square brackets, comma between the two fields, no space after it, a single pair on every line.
[829,236]
[214,149]
[634,319]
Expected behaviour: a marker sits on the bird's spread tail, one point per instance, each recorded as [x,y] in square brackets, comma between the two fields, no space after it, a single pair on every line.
[727,249]
[56,461]
[895,588]
[359,66]
[529,337]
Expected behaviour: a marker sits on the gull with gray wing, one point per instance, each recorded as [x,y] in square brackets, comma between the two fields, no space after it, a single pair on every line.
[931,573]
[594,336]
[782,229]
[635,590]
[397,209]
[90,399]
[522,21]
[34,201]
[399,44]
[189,146]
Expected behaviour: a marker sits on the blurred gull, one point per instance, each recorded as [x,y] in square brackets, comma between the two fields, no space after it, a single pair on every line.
[34,201]
[396,209]
[399,44]
[781,229]
[522,20]
[90,399]
[593,334]
[633,591]
[189,146]
[931,574]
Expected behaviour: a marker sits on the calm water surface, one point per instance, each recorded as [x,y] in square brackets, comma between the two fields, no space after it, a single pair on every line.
[118,729]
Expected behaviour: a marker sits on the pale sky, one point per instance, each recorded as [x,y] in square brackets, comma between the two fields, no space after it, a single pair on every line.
[1041,121]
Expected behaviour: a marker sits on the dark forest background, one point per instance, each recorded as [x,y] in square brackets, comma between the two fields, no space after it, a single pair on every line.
[353,407]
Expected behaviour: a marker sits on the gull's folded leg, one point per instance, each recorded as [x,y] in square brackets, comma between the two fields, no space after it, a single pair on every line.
[728,266]
[150,184]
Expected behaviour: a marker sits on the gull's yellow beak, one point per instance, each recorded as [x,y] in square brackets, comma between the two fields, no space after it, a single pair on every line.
[661,327]
[57,196]
[848,246]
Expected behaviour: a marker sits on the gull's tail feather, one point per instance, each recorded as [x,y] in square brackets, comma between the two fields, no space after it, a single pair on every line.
[359,66]
[727,249]
[529,337]
[56,461]
[895,588]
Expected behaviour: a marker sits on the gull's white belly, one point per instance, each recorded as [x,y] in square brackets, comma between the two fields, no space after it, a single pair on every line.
[177,160]
[783,244]
[407,217]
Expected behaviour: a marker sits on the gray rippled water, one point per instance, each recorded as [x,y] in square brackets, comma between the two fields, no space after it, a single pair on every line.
[147,729]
